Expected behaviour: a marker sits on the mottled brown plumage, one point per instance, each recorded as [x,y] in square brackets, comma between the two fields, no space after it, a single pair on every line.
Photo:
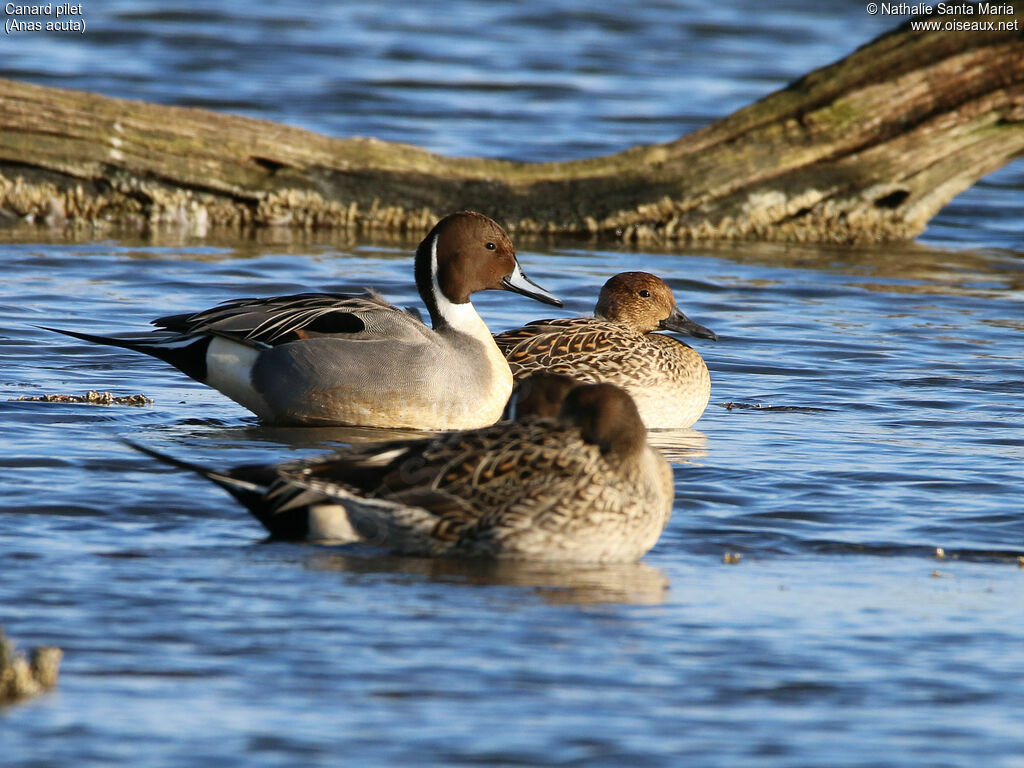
[585,487]
[668,379]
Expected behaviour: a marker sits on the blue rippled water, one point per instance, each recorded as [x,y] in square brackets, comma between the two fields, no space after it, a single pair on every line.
[866,410]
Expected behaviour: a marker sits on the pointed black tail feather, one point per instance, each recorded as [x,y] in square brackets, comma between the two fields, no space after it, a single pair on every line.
[186,353]
[251,486]
[246,491]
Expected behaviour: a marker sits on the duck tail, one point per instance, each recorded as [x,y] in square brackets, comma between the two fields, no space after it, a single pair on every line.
[282,509]
[249,492]
[186,353]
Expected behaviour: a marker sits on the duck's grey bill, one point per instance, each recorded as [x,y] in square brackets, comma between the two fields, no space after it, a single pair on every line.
[520,283]
[679,322]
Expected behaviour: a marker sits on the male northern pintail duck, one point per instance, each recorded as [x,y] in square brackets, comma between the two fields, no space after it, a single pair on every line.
[668,379]
[333,358]
[585,487]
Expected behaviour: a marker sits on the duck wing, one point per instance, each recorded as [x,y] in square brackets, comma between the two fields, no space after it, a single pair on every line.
[571,345]
[281,319]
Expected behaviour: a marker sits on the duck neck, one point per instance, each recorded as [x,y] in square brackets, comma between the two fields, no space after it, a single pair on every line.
[445,314]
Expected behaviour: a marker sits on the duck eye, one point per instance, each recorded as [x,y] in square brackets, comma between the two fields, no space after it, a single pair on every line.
[491,246]
[645,293]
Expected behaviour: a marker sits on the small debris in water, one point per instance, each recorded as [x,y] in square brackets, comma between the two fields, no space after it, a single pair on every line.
[21,678]
[1020,561]
[92,397]
[940,553]
[762,407]
[938,575]
[752,406]
[732,558]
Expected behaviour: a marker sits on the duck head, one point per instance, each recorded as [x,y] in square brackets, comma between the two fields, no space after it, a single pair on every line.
[606,417]
[539,394]
[467,252]
[644,302]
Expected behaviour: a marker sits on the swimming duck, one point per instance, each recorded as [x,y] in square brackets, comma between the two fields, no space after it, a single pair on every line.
[333,358]
[584,487]
[668,379]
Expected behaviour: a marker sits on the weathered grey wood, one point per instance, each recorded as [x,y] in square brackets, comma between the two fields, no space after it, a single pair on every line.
[869,148]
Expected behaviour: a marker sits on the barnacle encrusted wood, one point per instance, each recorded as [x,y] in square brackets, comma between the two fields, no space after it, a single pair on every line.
[866,149]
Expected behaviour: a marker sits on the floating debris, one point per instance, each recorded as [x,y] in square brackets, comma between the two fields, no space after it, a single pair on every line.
[940,553]
[91,397]
[21,678]
[762,407]
[732,558]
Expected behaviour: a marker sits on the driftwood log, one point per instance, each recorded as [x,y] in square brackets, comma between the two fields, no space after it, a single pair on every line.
[867,149]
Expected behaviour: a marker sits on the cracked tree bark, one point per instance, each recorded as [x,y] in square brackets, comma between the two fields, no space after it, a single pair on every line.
[867,149]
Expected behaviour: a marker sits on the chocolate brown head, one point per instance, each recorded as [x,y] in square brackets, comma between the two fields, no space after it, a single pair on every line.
[467,252]
[644,302]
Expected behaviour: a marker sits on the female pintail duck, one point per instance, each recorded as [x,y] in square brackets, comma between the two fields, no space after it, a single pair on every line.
[585,487]
[668,379]
[332,358]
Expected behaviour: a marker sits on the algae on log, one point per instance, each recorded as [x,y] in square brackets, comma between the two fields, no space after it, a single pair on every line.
[866,149]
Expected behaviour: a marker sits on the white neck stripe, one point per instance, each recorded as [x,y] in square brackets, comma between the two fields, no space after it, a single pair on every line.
[461,317]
